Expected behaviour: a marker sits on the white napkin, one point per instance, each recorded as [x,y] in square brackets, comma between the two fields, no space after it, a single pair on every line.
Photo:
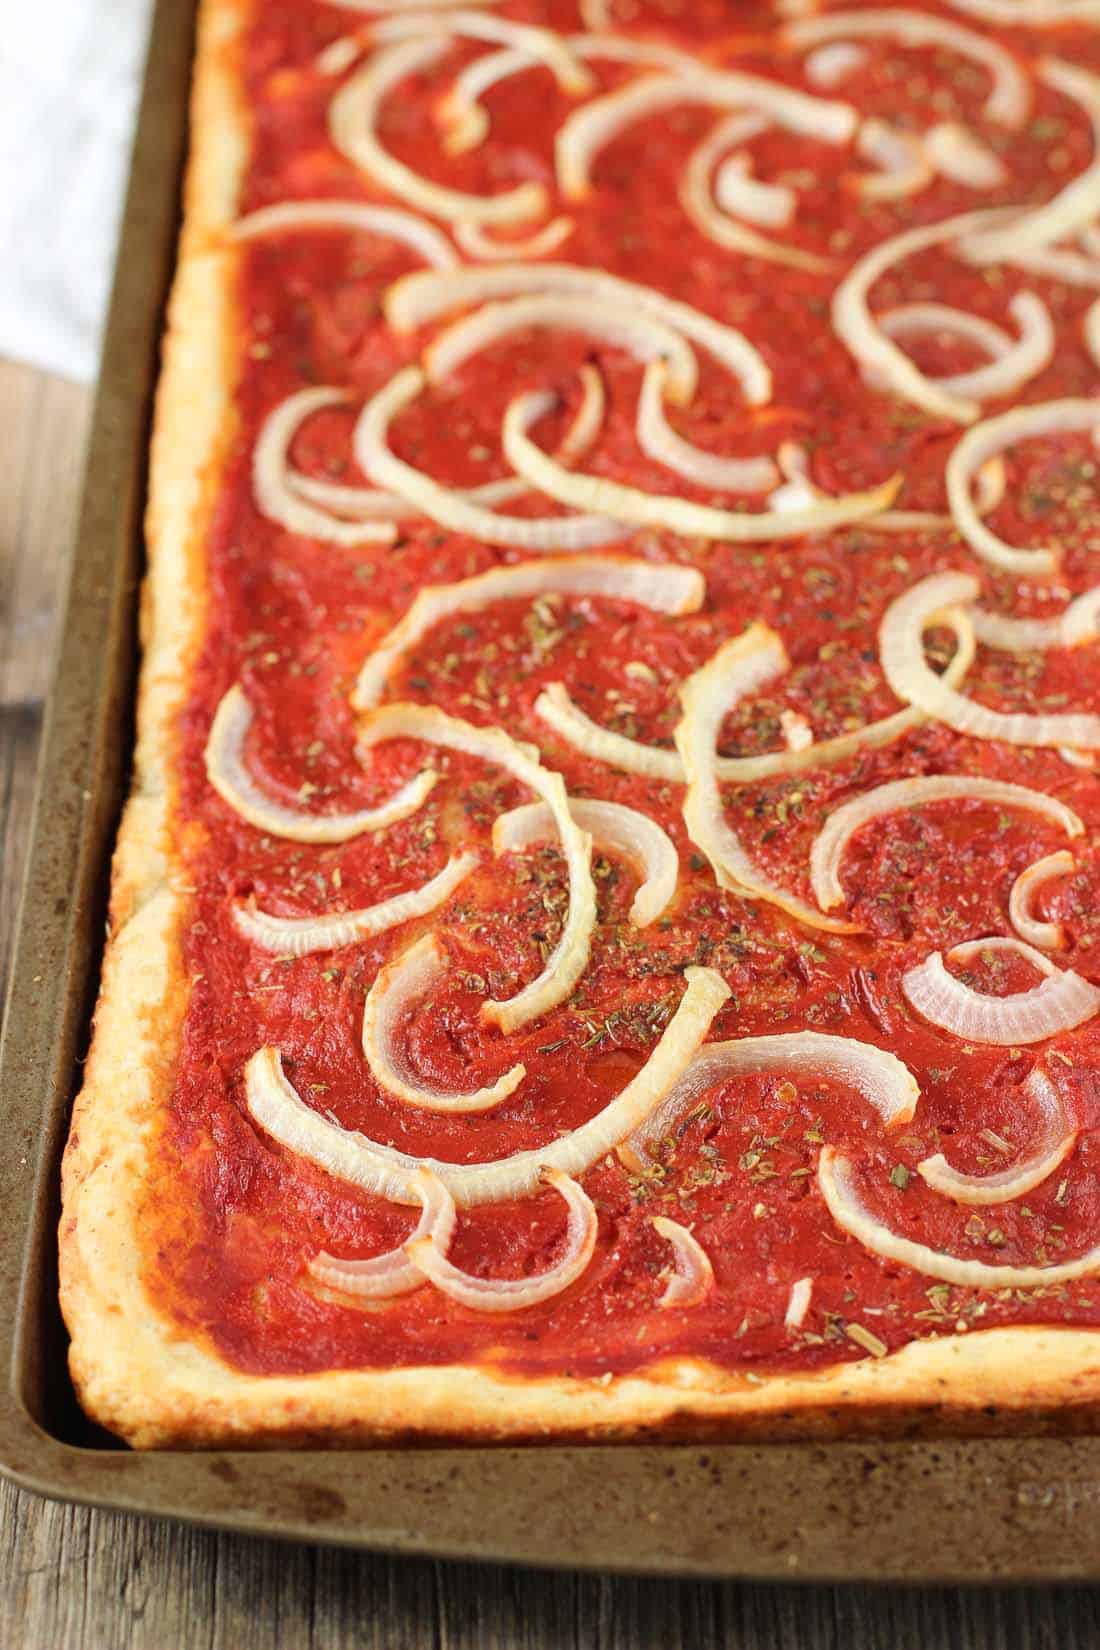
[69,75]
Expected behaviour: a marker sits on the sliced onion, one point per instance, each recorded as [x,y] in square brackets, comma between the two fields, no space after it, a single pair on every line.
[302,936]
[393,1273]
[700,207]
[957,154]
[1073,268]
[227,773]
[739,668]
[664,510]
[1050,935]
[353,116]
[513,1294]
[903,168]
[416,299]
[997,435]
[837,1183]
[1062,1001]
[1091,328]
[771,205]
[641,335]
[338,55]
[477,244]
[901,649]
[611,825]
[381,1169]
[539,44]
[568,960]
[584,133]
[569,722]
[693,1274]
[390,221]
[448,506]
[659,441]
[1031,13]
[859,330]
[1075,205]
[879,1077]
[802,1290]
[1055,1140]
[1014,360]
[800,491]
[397,986]
[271,485]
[1009,100]
[831,842]
[664,587]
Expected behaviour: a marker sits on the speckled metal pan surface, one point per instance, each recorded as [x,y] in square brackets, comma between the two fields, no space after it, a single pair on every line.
[992,1509]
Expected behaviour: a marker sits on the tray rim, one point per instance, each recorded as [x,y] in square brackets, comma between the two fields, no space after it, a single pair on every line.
[335,1496]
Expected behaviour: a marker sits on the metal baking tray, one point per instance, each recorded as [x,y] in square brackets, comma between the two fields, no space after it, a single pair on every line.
[958,1510]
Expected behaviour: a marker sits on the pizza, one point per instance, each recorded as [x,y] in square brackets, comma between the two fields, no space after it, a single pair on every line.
[604,932]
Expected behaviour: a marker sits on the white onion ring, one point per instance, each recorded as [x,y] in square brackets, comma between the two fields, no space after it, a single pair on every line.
[396,987]
[701,209]
[330,930]
[1055,1140]
[902,166]
[540,244]
[420,236]
[831,842]
[770,205]
[1050,935]
[693,1274]
[1013,360]
[957,154]
[381,1169]
[659,441]
[541,45]
[835,1179]
[227,773]
[513,1294]
[393,1273]
[554,707]
[611,825]
[1063,1000]
[272,481]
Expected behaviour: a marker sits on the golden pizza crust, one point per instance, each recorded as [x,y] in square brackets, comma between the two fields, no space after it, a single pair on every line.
[139,1373]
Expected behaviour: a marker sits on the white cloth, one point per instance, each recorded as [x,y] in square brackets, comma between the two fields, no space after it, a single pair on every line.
[69,75]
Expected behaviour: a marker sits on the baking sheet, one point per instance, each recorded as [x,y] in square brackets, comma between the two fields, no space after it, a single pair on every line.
[960,1510]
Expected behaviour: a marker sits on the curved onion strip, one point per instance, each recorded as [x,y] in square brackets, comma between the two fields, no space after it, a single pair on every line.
[771,205]
[1031,13]
[271,483]
[586,131]
[370,503]
[477,244]
[658,440]
[1009,100]
[542,45]
[557,709]
[692,1275]
[1074,268]
[226,771]
[837,1183]
[1075,205]
[802,1290]
[801,490]
[338,55]
[353,1157]
[701,209]
[901,650]
[663,587]
[1051,935]
[1055,1140]
[1014,360]
[831,842]
[393,1273]
[513,1294]
[879,1077]
[1063,999]
[903,168]
[396,987]
[1079,622]
[567,961]
[421,297]
[423,238]
[665,510]
[957,154]
[641,335]
[302,936]
[1091,329]
[611,825]
[996,435]
[352,117]
[447,505]
[738,669]
[859,330]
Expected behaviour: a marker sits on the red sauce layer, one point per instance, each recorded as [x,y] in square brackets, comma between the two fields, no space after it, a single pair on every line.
[236,1216]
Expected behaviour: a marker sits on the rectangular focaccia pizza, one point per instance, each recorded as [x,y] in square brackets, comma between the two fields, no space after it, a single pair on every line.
[604,934]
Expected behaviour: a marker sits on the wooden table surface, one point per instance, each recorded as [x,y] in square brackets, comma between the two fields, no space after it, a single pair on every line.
[73,1579]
